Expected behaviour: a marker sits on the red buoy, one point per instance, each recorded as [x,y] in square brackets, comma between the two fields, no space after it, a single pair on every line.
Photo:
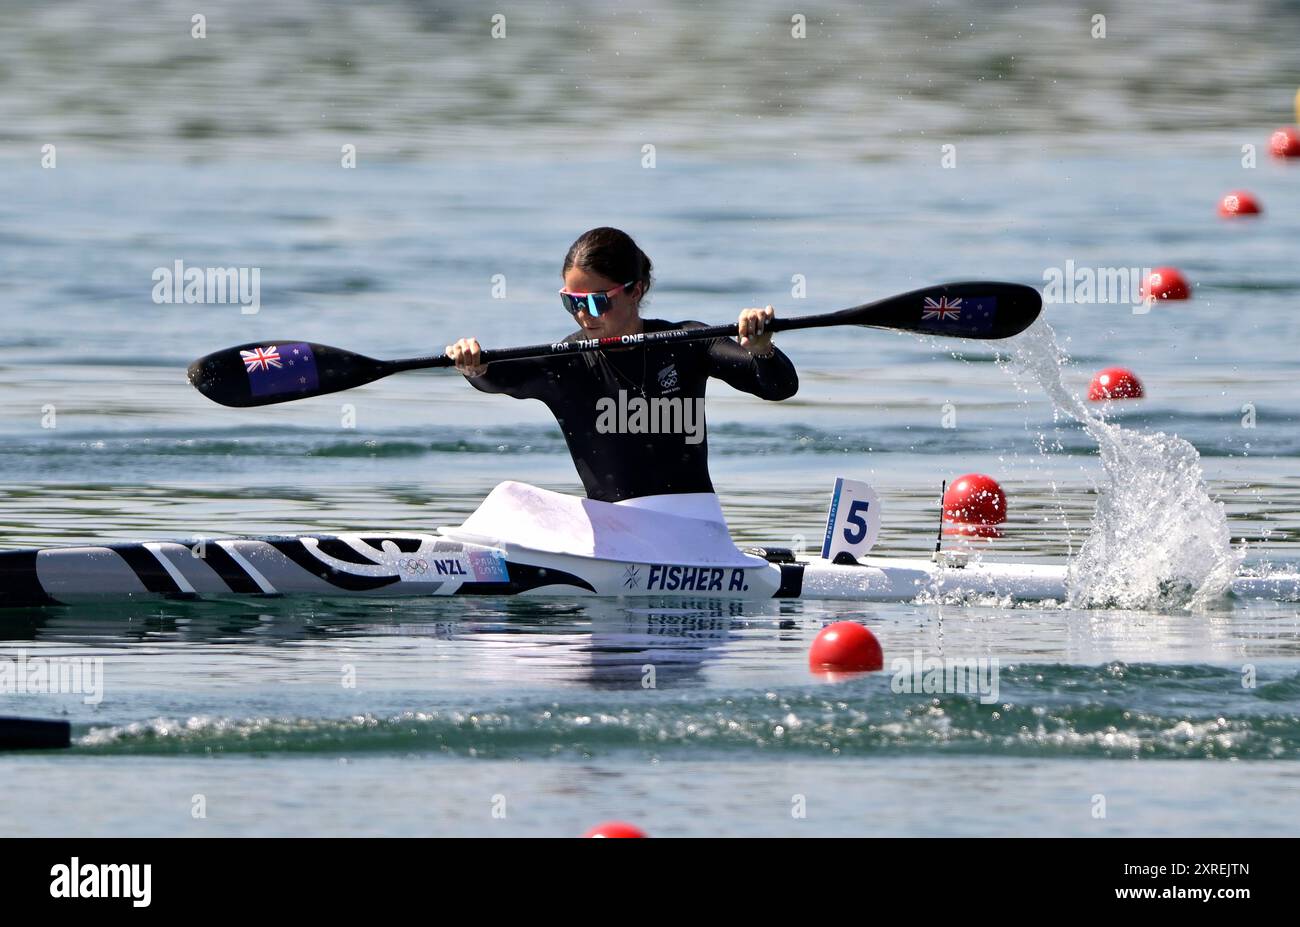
[1115,383]
[615,829]
[845,646]
[974,504]
[1285,142]
[1166,283]
[1239,203]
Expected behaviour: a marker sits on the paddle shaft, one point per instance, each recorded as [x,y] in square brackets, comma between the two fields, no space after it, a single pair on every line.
[556,348]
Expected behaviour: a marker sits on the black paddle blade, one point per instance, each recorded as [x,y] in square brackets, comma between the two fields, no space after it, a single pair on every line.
[267,372]
[975,309]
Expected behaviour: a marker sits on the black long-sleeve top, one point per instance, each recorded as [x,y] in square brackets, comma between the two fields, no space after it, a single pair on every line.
[595,396]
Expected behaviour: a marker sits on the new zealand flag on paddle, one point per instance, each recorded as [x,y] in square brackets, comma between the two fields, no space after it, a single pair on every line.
[958,315]
[276,370]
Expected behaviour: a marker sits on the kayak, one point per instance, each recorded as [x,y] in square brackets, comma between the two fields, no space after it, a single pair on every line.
[523,541]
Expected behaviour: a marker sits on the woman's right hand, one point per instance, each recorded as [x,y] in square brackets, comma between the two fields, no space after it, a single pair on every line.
[466,355]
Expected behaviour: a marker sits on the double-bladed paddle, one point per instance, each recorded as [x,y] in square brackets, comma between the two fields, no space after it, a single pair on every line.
[266,372]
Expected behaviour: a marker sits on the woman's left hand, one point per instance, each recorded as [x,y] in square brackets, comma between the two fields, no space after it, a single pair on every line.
[754,336]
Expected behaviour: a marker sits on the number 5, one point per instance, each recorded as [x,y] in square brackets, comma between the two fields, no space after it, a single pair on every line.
[856,520]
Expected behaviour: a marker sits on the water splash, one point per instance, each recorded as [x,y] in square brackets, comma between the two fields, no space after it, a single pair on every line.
[1158,540]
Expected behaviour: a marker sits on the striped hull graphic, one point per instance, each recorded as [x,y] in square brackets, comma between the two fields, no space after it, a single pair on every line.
[321,566]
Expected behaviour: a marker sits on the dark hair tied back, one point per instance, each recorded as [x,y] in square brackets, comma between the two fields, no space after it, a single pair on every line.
[611,253]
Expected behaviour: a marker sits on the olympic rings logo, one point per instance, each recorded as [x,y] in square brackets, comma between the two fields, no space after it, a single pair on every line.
[412,565]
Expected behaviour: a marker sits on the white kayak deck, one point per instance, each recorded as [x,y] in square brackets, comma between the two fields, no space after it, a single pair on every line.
[529,523]
[655,529]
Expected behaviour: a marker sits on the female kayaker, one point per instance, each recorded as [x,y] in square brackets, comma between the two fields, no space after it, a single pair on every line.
[608,402]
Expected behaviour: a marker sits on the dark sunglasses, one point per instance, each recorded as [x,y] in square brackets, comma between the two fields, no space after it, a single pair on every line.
[594,304]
